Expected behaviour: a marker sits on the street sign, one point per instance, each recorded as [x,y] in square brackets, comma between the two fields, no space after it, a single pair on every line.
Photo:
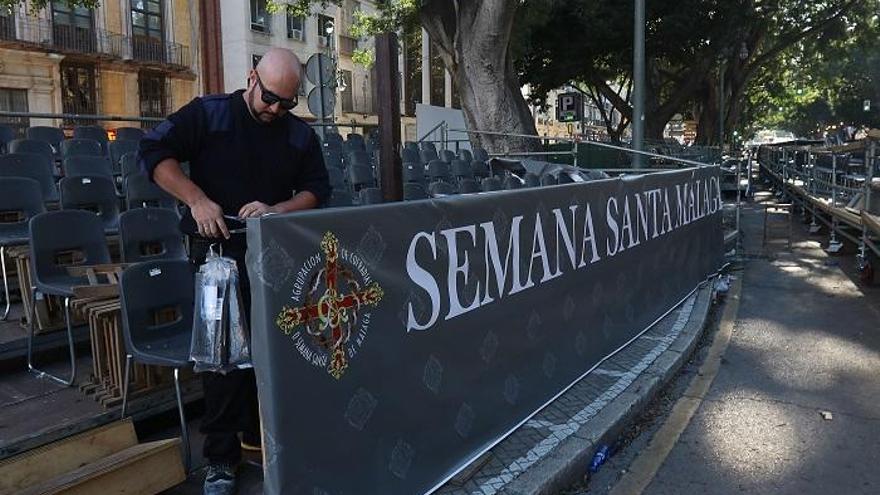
[569,107]
[320,70]
[315,103]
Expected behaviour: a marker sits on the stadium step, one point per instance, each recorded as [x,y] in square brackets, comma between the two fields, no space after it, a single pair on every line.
[104,460]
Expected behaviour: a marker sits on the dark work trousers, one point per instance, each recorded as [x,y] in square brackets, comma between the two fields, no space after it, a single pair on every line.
[230,399]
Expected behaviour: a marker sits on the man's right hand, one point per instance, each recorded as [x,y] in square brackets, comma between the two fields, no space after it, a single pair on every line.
[209,218]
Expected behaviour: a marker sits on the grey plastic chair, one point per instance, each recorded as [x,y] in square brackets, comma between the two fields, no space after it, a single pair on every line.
[81,146]
[462,169]
[95,194]
[128,165]
[447,156]
[414,173]
[149,234]
[564,178]
[32,166]
[340,197]
[85,165]
[440,188]
[468,186]
[511,182]
[23,196]
[371,196]
[465,155]
[428,155]
[414,192]
[129,134]
[427,145]
[491,184]
[352,146]
[52,135]
[118,149]
[141,193]
[359,158]
[93,132]
[333,141]
[7,134]
[337,179]
[531,180]
[439,171]
[145,290]
[548,180]
[31,146]
[333,158]
[51,233]
[480,155]
[481,170]
[360,176]
[410,155]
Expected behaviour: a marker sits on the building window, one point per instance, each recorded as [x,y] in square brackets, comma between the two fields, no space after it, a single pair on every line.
[255,59]
[325,24]
[296,27]
[7,25]
[347,92]
[14,100]
[152,94]
[78,91]
[260,17]
[72,27]
[146,30]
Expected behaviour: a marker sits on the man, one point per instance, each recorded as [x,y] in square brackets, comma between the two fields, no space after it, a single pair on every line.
[249,156]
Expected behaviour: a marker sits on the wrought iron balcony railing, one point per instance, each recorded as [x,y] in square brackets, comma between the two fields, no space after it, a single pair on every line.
[36,33]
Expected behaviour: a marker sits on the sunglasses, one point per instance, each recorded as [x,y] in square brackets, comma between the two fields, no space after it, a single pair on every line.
[270,98]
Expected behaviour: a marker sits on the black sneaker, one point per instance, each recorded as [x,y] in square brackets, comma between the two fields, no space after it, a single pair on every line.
[220,480]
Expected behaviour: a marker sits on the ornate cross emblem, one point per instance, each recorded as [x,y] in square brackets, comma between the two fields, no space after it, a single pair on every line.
[329,319]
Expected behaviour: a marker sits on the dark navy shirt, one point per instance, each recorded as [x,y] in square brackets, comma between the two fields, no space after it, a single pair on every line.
[233,158]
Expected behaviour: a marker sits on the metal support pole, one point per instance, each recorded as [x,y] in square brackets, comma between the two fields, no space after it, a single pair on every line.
[638,117]
[738,203]
[721,110]
[391,173]
[834,245]
[869,178]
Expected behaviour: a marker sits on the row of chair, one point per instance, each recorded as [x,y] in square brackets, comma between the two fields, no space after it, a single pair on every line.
[55,137]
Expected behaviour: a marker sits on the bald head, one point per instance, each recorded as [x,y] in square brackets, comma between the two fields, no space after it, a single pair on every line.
[279,73]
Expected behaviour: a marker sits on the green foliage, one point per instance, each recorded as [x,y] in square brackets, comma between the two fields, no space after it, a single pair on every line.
[37,5]
[364,57]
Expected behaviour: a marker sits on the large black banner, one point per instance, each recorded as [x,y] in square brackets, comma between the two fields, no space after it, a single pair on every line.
[395,343]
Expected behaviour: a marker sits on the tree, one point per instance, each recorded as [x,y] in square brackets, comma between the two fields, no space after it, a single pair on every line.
[688,41]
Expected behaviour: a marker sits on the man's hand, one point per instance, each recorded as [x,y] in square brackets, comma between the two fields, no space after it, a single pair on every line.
[209,218]
[255,209]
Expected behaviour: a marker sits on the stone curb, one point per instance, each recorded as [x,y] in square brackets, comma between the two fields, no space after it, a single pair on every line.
[569,460]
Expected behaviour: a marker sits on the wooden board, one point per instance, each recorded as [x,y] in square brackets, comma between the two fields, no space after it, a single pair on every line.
[145,469]
[38,465]
[872,222]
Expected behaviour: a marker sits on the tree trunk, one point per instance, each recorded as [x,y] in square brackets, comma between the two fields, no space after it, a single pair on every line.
[473,39]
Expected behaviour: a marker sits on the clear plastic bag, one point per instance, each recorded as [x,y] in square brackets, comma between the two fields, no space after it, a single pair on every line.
[220,334]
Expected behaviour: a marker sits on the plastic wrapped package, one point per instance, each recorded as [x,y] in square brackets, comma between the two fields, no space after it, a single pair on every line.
[220,334]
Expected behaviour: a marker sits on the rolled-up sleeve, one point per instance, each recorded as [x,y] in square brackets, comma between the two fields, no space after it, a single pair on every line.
[313,175]
[176,137]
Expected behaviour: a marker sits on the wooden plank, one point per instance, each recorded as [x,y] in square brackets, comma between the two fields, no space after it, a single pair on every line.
[105,291]
[83,270]
[871,221]
[65,455]
[145,469]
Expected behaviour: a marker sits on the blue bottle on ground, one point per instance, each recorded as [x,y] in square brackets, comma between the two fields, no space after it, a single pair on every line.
[599,458]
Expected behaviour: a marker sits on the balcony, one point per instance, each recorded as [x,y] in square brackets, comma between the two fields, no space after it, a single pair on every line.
[32,33]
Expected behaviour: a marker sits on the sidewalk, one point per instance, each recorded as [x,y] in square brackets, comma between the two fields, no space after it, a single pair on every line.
[805,341]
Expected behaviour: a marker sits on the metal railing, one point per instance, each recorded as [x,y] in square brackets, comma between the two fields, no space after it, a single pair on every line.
[34,33]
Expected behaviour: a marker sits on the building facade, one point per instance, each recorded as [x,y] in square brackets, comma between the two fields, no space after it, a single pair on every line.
[133,58]
[249,31]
